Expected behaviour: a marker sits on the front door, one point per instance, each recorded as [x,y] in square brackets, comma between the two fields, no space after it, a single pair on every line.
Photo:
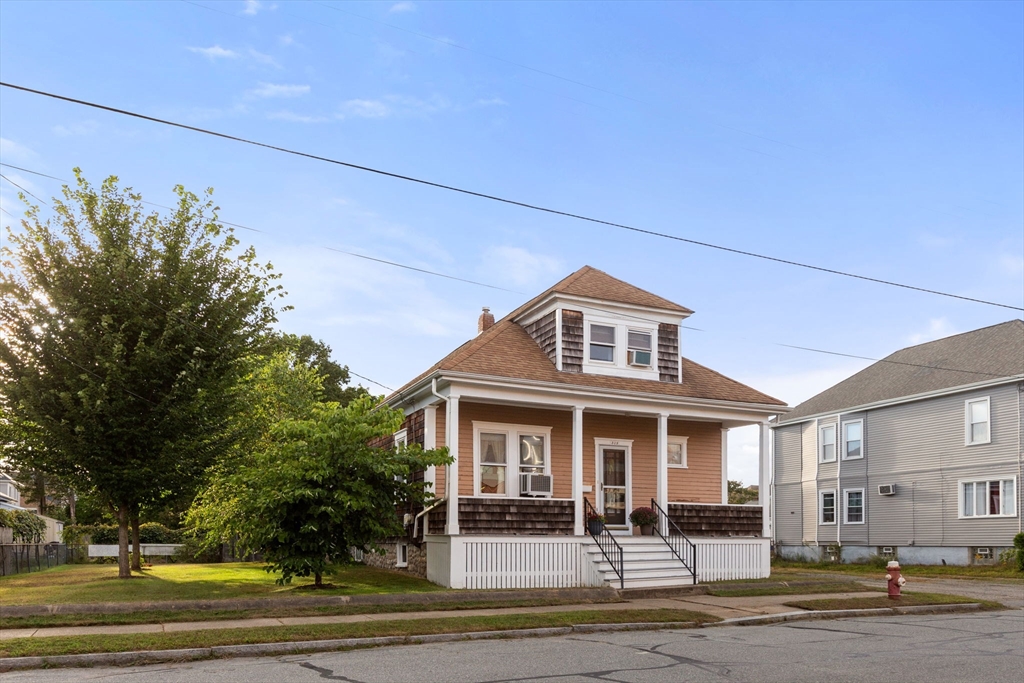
[614,485]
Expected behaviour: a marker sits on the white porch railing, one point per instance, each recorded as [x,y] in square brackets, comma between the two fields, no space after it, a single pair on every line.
[725,559]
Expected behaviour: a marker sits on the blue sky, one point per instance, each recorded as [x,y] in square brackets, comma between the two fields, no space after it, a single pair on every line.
[883,139]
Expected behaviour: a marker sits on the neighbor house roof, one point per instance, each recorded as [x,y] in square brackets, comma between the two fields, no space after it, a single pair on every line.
[987,354]
[506,350]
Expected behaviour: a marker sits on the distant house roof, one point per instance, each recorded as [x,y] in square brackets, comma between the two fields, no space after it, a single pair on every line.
[506,350]
[990,353]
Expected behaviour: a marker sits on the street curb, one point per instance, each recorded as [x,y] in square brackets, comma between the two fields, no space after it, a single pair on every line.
[580,594]
[298,647]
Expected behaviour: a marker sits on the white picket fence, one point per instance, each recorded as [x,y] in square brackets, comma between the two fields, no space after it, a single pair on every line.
[512,562]
[148,550]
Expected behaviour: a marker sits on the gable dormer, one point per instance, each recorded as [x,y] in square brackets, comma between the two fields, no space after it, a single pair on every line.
[594,323]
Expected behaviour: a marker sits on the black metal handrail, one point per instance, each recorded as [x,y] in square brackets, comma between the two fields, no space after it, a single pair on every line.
[606,542]
[682,547]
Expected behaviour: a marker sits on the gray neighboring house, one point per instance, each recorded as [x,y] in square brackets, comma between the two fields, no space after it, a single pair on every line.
[917,456]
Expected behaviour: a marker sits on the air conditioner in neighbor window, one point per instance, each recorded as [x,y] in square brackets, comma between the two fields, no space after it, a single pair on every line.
[983,553]
[639,358]
[887,551]
[887,489]
[535,485]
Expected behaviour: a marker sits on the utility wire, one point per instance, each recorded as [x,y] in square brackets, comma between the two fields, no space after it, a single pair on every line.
[503,200]
[155,305]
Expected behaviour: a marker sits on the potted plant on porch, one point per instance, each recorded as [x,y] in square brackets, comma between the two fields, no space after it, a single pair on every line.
[645,518]
[595,523]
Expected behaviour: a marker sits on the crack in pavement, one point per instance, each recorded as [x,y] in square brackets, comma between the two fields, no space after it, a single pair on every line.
[327,673]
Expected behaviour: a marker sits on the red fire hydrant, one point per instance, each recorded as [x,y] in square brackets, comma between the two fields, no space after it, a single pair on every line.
[896,582]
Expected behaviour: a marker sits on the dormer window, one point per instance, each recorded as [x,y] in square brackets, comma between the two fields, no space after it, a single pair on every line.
[602,343]
[639,348]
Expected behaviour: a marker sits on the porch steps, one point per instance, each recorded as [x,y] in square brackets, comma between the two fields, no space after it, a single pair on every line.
[647,563]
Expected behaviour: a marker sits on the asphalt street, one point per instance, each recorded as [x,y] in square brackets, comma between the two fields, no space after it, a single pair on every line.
[928,648]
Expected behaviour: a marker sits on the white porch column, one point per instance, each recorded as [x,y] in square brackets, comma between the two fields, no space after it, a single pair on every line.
[661,494]
[577,468]
[451,482]
[725,466]
[764,479]
[429,443]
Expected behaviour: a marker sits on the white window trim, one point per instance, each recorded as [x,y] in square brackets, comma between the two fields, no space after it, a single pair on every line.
[862,440]
[821,507]
[620,366]
[967,421]
[512,433]
[586,343]
[960,497]
[863,506]
[653,350]
[627,444]
[401,437]
[398,555]
[682,441]
[821,442]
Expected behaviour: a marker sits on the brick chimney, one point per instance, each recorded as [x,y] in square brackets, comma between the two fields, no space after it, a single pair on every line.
[485,321]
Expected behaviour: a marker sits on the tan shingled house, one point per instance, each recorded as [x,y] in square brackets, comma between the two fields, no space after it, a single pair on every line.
[579,403]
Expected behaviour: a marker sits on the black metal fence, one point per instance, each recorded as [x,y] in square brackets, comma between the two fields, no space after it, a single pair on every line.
[20,558]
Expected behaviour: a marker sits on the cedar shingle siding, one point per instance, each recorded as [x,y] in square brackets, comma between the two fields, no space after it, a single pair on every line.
[544,333]
[572,341]
[716,520]
[517,516]
[668,353]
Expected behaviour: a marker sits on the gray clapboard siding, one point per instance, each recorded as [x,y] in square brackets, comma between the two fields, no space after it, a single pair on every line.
[788,475]
[809,463]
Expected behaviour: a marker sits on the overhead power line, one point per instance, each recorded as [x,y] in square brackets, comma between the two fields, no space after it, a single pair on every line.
[503,200]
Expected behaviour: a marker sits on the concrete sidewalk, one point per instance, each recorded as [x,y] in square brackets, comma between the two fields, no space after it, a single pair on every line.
[722,607]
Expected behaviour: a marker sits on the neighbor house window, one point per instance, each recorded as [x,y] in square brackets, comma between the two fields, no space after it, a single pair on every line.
[978,427]
[402,555]
[677,451]
[493,464]
[854,508]
[988,498]
[853,440]
[602,343]
[828,444]
[638,345]
[827,507]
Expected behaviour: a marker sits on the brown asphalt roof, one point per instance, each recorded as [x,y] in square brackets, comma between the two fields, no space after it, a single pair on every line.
[506,350]
[985,354]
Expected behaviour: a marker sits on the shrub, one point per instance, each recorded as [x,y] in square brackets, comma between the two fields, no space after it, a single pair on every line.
[25,526]
[1018,543]
[643,516]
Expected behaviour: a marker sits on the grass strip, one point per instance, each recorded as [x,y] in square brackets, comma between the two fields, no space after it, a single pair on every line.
[906,600]
[171,616]
[995,571]
[30,647]
[804,589]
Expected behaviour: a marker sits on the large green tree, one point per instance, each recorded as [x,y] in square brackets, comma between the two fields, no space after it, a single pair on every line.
[123,337]
[317,489]
[317,355]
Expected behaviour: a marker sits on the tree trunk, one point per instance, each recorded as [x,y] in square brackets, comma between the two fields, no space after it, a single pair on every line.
[137,555]
[124,570]
[40,492]
[318,580]
[71,507]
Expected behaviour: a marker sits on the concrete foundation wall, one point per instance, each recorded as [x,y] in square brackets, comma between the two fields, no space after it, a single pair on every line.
[918,554]
[800,553]
[853,554]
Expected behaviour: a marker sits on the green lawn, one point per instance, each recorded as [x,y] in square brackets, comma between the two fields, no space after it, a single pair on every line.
[781,568]
[802,589]
[26,647]
[906,600]
[79,583]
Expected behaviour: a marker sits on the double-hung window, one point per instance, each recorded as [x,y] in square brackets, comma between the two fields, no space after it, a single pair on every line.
[978,428]
[994,498]
[504,453]
[827,439]
[853,440]
[827,507]
[638,346]
[853,509]
[602,343]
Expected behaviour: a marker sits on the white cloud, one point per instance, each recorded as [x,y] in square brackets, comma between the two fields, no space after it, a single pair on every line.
[12,151]
[937,328]
[518,266]
[267,90]
[265,59]
[402,7]
[365,109]
[254,7]
[286,40]
[491,102]
[215,52]
[295,118]
[80,128]
[1011,264]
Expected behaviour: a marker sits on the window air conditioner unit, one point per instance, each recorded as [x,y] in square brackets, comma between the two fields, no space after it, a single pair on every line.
[887,489]
[642,358]
[887,550]
[535,485]
[983,553]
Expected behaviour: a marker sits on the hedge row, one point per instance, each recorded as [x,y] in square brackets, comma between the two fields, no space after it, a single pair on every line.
[27,527]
